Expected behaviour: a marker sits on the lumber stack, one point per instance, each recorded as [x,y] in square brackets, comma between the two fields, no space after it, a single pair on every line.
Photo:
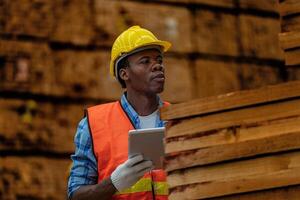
[290,28]
[220,147]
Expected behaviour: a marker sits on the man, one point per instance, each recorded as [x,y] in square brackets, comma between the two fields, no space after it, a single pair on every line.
[101,168]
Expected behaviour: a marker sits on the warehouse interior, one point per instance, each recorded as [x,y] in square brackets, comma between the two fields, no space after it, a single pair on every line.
[54,63]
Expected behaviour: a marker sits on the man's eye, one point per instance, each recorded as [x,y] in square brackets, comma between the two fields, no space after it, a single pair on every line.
[145,61]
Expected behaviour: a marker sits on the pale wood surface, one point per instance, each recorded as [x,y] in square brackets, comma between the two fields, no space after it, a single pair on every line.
[234,135]
[236,177]
[289,40]
[231,100]
[226,152]
[289,7]
[292,57]
[252,115]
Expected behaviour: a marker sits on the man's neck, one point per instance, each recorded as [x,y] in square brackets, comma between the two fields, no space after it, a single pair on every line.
[143,104]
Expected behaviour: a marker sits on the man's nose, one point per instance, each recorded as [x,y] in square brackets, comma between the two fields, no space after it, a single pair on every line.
[158,67]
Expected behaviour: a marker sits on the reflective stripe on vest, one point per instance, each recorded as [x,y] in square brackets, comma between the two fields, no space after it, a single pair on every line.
[109,126]
[144,185]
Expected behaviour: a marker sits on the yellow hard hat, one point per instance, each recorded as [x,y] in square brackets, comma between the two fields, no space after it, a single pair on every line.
[132,40]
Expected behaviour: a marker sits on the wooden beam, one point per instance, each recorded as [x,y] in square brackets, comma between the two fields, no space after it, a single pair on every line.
[289,40]
[242,117]
[289,7]
[292,57]
[233,135]
[218,153]
[237,177]
[232,100]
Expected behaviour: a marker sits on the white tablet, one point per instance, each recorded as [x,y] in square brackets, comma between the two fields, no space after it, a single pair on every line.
[148,142]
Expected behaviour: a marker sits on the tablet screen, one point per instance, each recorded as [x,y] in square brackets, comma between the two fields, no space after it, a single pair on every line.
[148,142]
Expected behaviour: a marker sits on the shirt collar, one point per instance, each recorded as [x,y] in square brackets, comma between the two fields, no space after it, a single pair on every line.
[133,115]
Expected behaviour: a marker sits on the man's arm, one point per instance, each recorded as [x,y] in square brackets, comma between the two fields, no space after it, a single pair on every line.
[105,190]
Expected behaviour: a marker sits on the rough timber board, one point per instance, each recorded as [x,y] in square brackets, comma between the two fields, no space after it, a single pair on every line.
[217,153]
[290,23]
[236,177]
[32,125]
[234,135]
[232,101]
[283,193]
[292,57]
[171,22]
[289,40]
[33,178]
[289,7]
[242,117]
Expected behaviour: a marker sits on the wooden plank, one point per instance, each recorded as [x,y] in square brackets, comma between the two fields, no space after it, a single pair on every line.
[290,23]
[171,22]
[216,33]
[175,68]
[217,153]
[289,40]
[242,117]
[232,101]
[26,17]
[73,22]
[233,136]
[292,57]
[256,33]
[93,70]
[32,125]
[288,193]
[266,5]
[33,178]
[210,83]
[217,3]
[289,7]
[27,67]
[237,177]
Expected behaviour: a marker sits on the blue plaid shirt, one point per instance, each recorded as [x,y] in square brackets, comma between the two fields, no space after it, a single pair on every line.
[84,170]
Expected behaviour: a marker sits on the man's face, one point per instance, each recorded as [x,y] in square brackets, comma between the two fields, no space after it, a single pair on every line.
[146,72]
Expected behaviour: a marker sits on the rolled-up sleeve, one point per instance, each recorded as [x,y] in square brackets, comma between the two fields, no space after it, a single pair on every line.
[84,168]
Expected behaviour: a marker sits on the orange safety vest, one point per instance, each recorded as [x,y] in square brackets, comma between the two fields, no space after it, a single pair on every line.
[109,126]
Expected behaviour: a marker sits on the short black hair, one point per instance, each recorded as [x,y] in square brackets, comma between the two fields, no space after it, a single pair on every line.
[121,65]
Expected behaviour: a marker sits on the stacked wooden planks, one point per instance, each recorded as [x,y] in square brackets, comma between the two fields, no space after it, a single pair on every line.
[235,143]
[290,28]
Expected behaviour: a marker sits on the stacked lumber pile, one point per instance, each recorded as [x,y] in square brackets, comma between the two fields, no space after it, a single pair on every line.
[290,28]
[235,143]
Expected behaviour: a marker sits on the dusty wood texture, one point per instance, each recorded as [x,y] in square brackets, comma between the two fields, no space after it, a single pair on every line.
[172,23]
[27,66]
[232,100]
[240,117]
[210,83]
[73,22]
[258,33]
[283,193]
[289,7]
[33,178]
[179,82]
[217,3]
[85,74]
[289,40]
[233,135]
[216,33]
[292,57]
[31,125]
[77,74]
[266,5]
[236,177]
[232,144]
[231,77]
[27,17]
[290,23]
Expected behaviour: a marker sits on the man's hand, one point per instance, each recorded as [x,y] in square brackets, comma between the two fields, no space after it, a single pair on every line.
[129,172]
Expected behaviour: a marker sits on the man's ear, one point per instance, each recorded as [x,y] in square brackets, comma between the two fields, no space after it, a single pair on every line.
[123,73]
